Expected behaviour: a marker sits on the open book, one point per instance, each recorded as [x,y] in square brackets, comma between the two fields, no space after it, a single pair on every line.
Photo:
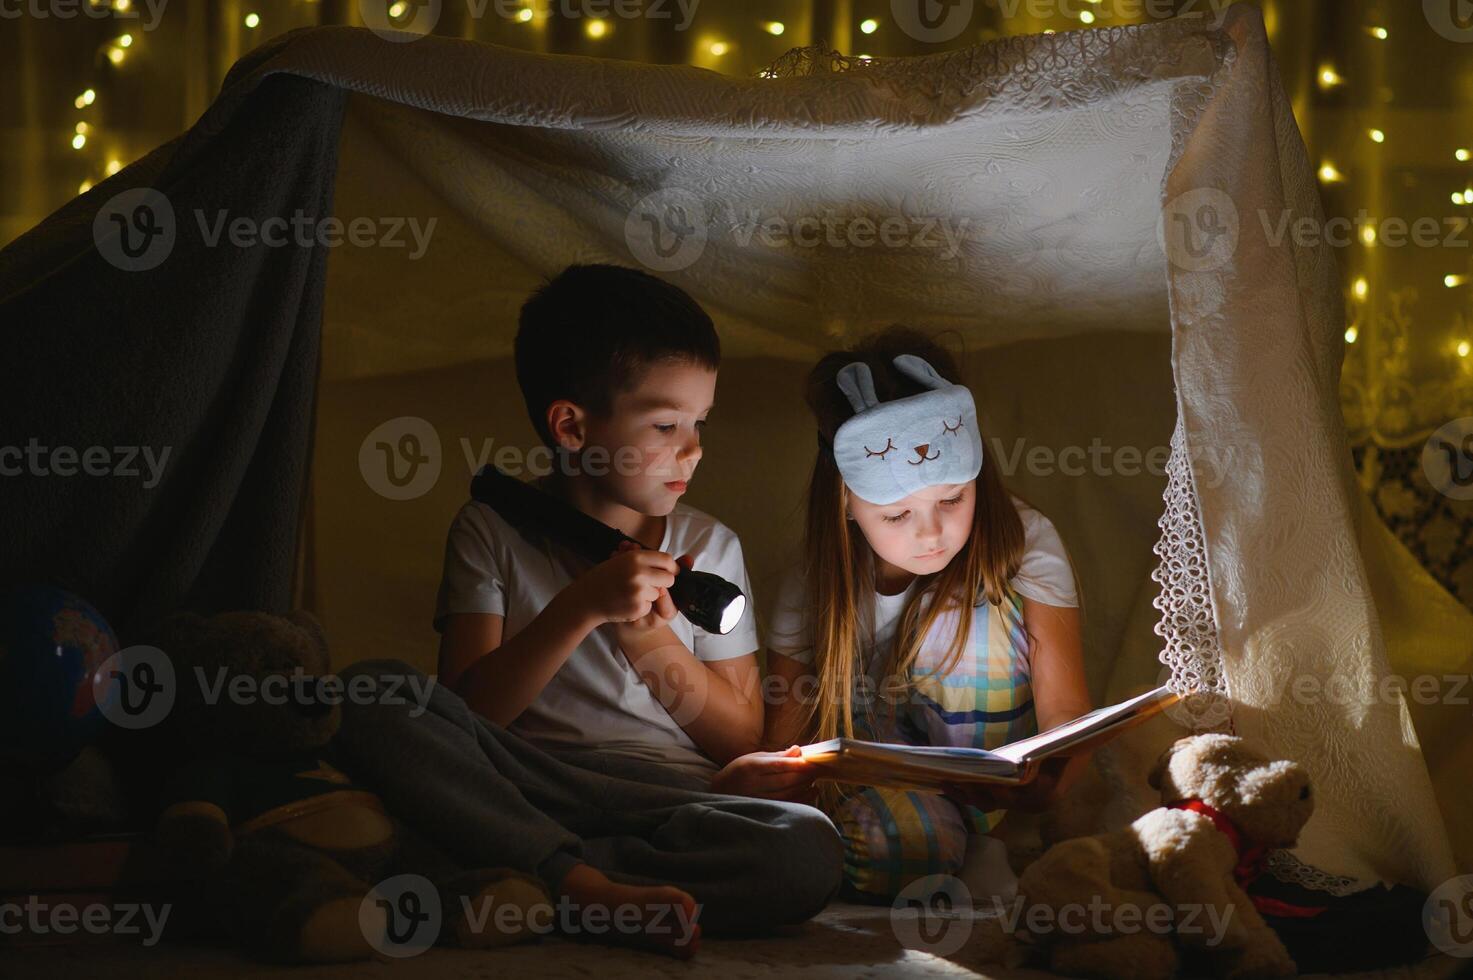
[929,767]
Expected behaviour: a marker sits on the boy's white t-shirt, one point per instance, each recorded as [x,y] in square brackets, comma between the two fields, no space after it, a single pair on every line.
[596,699]
[1044,575]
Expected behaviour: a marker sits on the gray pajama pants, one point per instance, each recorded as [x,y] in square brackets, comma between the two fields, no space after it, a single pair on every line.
[491,799]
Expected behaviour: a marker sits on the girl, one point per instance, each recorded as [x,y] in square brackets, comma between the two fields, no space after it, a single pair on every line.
[931,607]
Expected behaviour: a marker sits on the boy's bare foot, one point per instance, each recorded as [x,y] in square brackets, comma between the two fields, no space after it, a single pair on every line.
[658,918]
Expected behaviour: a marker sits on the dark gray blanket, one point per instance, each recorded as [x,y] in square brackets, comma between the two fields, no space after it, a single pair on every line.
[156,424]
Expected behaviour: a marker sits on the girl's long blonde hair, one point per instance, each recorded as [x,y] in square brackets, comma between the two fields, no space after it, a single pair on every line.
[841,565]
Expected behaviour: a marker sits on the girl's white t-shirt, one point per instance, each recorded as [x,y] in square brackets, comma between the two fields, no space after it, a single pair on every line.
[1044,575]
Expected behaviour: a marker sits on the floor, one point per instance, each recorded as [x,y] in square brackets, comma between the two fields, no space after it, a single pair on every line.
[845,941]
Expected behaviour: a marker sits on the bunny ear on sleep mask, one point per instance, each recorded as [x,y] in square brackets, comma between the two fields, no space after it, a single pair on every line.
[887,451]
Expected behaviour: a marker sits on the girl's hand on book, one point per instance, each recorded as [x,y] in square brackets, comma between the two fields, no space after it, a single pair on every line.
[784,775]
[1034,795]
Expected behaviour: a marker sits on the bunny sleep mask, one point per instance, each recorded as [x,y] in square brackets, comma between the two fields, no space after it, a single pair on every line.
[887,451]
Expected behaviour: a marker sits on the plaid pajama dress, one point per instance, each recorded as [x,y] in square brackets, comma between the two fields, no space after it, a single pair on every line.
[892,837]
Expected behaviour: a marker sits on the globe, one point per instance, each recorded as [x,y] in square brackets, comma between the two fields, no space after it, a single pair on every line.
[52,643]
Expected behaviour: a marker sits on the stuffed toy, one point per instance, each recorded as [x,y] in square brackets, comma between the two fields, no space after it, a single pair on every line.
[1130,903]
[278,849]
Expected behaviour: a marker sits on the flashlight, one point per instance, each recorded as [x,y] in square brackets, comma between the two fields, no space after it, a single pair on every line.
[708,601]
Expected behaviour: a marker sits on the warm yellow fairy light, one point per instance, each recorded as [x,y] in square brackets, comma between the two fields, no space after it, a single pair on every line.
[113,166]
[83,128]
[125,41]
[1361,288]
[1085,17]
[774,27]
[253,20]
[1454,281]
[1329,77]
[1368,235]
[1377,136]
[869,25]
[115,55]
[79,141]
[85,99]
[596,27]
[1462,155]
[1464,348]
[719,48]
[1329,174]
[122,6]
[1350,334]
[396,9]
[1458,197]
[525,14]
[1379,33]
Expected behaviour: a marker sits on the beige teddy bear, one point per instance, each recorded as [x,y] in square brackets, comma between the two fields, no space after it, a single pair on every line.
[1126,904]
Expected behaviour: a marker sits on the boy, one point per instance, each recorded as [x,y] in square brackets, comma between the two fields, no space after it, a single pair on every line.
[605,725]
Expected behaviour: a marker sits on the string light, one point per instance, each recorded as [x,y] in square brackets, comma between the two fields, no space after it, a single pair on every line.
[1329,174]
[253,20]
[397,9]
[869,25]
[524,15]
[719,48]
[84,187]
[1462,155]
[1458,197]
[85,99]
[1329,77]
[1086,17]
[113,166]
[1350,334]
[83,128]
[1464,348]
[595,27]
[1368,235]
[774,27]
[125,41]
[1377,136]
[1454,281]
[1379,33]
[1361,288]
[115,55]
[79,141]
